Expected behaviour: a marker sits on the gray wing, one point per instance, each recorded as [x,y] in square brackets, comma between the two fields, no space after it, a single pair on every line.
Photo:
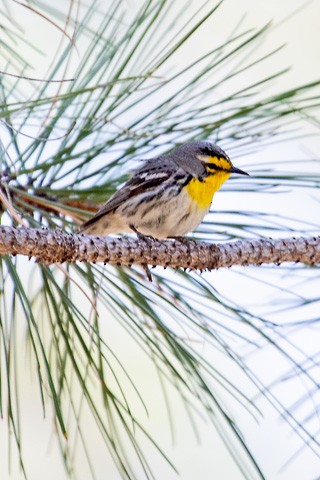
[153,174]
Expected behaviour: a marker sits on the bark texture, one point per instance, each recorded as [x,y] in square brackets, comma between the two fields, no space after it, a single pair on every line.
[55,246]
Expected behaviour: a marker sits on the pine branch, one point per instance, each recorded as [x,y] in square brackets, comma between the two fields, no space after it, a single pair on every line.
[55,246]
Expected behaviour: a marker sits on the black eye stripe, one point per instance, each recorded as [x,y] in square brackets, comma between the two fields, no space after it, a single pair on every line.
[213,166]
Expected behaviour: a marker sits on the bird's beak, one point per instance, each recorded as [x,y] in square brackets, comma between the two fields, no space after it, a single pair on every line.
[237,170]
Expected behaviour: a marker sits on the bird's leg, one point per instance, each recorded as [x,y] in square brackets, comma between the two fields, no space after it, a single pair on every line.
[147,238]
[141,235]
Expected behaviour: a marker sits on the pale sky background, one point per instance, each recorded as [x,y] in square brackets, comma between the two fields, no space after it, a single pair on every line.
[208,458]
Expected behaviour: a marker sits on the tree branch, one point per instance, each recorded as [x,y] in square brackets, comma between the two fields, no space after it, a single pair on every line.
[55,246]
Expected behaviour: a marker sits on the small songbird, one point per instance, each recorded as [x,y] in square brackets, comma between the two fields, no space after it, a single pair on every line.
[168,196]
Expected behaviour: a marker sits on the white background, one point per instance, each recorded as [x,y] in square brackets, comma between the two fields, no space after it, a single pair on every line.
[207,458]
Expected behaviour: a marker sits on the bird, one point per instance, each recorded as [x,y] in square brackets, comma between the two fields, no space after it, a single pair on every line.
[168,196]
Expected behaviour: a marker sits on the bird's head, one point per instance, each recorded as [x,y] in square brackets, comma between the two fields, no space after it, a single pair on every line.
[204,158]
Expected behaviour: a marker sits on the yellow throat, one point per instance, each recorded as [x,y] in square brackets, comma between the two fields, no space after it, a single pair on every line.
[202,191]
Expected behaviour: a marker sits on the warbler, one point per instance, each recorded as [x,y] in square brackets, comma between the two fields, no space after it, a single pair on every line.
[168,196]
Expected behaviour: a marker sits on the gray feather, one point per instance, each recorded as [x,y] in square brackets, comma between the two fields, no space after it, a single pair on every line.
[156,171]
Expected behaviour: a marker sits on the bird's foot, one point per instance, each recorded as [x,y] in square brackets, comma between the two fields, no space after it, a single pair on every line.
[141,235]
[181,239]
